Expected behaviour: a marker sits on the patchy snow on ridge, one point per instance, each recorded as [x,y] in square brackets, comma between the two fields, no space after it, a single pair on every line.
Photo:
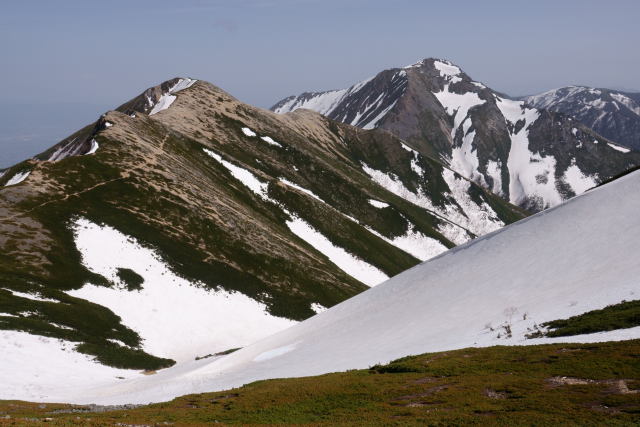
[302,189]
[353,266]
[448,71]
[378,204]
[318,308]
[482,219]
[248,179]
[94,147]
[248,132]
[457,105]
[578,181]
[30,296]
[166,99]
[414,243]
[17,178]
[453,231]
[531,175]
[168,306]
[618,148]
[270,141]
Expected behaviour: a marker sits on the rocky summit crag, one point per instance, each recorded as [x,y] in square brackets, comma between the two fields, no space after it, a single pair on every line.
[532,157]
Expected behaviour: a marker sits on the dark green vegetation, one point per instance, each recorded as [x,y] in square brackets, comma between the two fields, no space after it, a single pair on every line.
[546,385]
[130,278]
[617,316]
[151,180]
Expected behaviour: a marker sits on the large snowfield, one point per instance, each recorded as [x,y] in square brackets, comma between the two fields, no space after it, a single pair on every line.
[579,256]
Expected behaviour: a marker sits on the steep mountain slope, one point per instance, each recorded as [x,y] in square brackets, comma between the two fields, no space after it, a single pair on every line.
[496,289]
[533,158]
[613,114]
[205,225]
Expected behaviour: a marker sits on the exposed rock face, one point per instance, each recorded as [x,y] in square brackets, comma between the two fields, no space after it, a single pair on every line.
[532,157]
[613,114]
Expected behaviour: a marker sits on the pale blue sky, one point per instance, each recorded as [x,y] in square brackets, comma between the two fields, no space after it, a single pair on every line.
[67,61]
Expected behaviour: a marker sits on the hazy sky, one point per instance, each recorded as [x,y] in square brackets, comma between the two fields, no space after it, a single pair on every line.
[64,62]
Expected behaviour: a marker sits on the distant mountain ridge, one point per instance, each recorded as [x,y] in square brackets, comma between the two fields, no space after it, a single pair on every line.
[613,114]
[534,158]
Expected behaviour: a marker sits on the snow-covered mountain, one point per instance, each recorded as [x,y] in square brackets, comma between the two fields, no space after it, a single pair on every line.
[613,114]
[532,157]
[185,223]
[568,260]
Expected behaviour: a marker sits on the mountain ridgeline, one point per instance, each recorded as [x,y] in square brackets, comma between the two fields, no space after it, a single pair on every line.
[611,113]
[186,197]
[532,157]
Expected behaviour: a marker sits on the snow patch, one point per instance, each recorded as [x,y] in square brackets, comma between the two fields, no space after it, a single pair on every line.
[167,305]
[531,175]
[618,148]
[414,243]
[302,189]
[166,99]
[457,105]
[248,179]
[30,296]
[270,141]
[248,132]
[318,308]
[94,147]
[353,266]
[578,181]
[378,204]
[17,178]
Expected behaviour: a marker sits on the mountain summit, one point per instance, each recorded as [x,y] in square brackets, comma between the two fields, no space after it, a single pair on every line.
[532,157]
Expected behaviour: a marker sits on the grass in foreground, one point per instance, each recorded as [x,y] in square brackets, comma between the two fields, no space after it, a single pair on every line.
[568,384]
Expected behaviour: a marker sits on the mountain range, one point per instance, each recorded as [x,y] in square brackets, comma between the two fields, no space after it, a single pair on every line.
[613,114]
[188,242]
[186,199]
[535,158]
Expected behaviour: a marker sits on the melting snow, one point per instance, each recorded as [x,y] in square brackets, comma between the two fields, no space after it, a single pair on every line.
[318,308]
[94,147]
[355,267]
[531,175]
[248,132]
[414,243]
[578,181]
[457,105]
[36,367]
[378,204]
[166,99]
[304,190]
[30,296]
[168,305]
[448,71]
[244,176]
[270,141]
[531,272]
[17,178]
[360,270]
[618,148]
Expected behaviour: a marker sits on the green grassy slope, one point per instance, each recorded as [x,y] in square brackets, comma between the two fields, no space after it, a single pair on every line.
[545,385]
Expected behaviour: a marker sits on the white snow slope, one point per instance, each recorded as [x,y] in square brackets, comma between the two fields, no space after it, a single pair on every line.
[579,256]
